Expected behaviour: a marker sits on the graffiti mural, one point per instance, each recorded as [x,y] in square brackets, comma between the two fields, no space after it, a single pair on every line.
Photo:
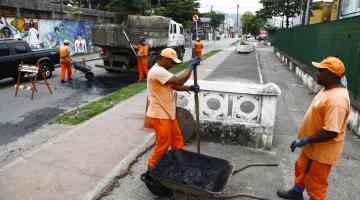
[44,33]
[26,29]
[54,32]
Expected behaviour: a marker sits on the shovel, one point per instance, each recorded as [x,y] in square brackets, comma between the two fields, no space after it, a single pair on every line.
[197,120]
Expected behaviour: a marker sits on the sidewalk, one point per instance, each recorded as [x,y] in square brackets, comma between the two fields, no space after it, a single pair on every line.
[264,182]
[84,161]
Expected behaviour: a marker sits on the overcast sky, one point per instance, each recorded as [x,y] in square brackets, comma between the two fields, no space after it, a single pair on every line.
[229,6]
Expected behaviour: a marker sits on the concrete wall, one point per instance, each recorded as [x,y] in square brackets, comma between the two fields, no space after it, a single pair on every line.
[308,80]
[41,9]
[235,113]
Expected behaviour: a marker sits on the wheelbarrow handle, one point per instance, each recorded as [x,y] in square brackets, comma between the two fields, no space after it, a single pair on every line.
[239,195]
[254,165]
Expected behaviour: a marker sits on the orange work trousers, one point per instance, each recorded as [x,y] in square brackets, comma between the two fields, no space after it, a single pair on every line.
[315,180]
[142,67]
[168,134]
[65,67]
[198,53]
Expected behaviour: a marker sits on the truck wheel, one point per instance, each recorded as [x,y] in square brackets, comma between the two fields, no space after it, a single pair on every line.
[153,60]
[46,69]
[180,54]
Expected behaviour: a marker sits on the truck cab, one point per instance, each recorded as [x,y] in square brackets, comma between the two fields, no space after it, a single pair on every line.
[176,34]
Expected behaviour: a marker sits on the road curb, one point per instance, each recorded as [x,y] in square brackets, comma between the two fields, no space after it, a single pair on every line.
[120,170]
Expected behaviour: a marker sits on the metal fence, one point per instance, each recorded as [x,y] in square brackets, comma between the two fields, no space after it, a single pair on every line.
[314,42]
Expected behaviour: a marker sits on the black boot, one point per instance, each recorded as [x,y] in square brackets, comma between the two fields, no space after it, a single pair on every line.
[290,194]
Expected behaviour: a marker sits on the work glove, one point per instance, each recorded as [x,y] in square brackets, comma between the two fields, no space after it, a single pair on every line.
[195,88]
[299,143]
[193,63]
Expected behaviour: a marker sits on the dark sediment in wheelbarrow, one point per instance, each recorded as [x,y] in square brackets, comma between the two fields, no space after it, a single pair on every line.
[193,170]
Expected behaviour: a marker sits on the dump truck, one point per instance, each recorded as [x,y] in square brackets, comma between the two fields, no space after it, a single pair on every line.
[160,32]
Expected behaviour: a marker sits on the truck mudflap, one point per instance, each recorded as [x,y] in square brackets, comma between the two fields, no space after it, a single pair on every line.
[118,69]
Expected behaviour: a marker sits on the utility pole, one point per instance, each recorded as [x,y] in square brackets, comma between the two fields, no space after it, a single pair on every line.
[307,14]
[237,18]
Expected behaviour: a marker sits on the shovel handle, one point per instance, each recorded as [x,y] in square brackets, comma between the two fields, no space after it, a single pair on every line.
[197,124]
[240,195]
[254,165]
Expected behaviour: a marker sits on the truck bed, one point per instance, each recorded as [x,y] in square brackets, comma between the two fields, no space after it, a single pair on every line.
[154,28]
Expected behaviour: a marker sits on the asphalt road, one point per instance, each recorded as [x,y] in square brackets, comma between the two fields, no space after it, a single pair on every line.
[21,115]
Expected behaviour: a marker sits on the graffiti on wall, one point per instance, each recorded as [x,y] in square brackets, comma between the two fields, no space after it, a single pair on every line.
[54,32]
[44,33]
[26,29]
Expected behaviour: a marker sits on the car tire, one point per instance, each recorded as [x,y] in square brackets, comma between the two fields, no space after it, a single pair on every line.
[46,69]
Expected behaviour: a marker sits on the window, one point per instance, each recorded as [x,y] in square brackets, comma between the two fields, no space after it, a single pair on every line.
[171,28]
[175,31]
[20,48]
[4,50]
[181,30]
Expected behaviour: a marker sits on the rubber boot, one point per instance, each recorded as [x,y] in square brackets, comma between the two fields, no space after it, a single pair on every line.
[290,194]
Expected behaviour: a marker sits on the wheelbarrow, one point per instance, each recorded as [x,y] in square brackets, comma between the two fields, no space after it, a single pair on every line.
[193,174]
[84,69]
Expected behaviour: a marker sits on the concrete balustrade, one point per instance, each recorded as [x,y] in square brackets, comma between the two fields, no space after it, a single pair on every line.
[234,113]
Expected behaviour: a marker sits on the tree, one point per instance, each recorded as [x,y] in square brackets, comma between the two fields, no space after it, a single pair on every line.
[280,8]
[179,10]
[129,6]
[251,23]
[216,18]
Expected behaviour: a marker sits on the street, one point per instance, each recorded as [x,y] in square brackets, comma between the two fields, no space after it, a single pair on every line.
[25,115]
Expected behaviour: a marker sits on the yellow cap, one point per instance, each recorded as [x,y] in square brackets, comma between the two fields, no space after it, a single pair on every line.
[170,53]
[333,64]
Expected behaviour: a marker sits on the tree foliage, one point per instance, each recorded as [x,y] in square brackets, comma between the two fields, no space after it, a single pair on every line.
[216,18]
[280,8]
[179,10]
[129,6]
[251,23]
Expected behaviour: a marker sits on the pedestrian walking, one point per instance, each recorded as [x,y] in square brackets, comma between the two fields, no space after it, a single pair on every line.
[321,134]
[142,57]
[161,110]
[198,48]
[65,61]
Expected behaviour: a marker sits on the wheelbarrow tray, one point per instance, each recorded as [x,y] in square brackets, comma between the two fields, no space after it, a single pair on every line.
[192,173]
[81,67]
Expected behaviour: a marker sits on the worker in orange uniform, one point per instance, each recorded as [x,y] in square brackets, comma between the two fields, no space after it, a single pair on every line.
[161,110]
[142,56]
[321,134]
[65,61]
[198,48]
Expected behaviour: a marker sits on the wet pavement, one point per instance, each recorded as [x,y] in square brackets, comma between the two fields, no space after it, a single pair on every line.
[24,116]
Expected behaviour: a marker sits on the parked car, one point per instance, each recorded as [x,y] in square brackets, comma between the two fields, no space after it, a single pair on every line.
[13,52]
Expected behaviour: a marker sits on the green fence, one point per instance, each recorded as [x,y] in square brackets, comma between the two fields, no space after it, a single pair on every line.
[314,42]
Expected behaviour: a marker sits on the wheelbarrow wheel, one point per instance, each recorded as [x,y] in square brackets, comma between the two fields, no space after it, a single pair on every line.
[155,187]
[90,76]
